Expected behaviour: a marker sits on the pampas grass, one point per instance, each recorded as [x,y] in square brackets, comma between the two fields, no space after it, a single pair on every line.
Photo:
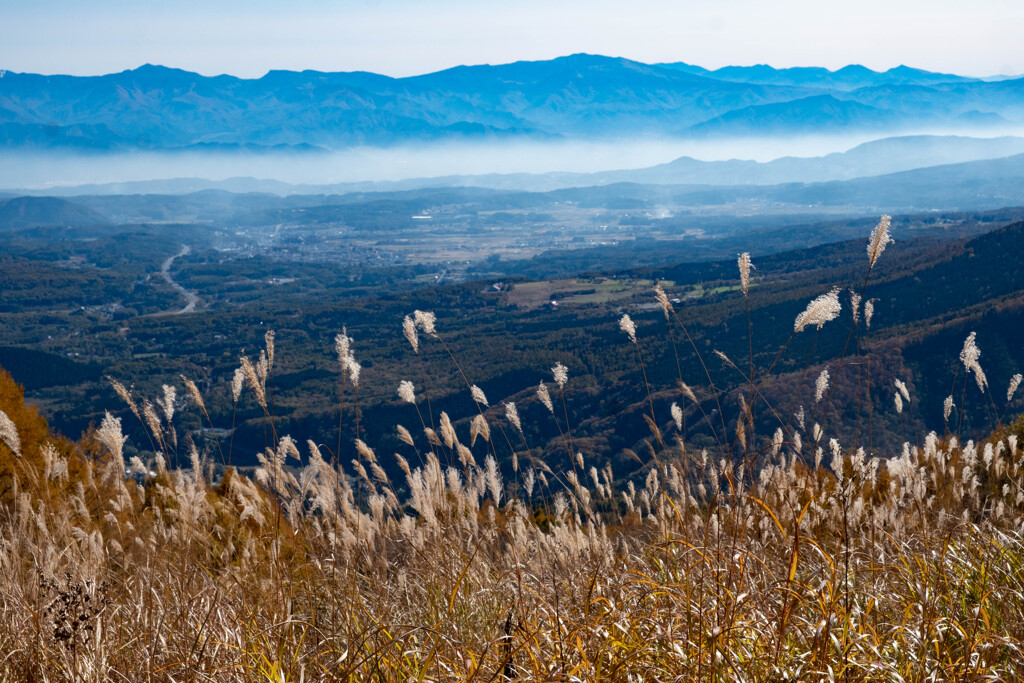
[804,559]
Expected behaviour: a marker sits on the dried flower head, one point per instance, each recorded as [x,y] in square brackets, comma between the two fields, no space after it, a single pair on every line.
[879,240]
[512,413]
[677,415]
[823,309]
[545,397]
[193,392]
[869,312]
[252,379]
[821,386]
[1012,389]
[403,435]
[237,380]
[409,330]
[666,305]
[902,388]
[109,434]
[167,402]
[9,433]
[947,408]
[478,395]
[426,321]
[561,375]
[855,305]
[687,391]
[743,262]
[627,325]
[268,339]
[479,427]
[969,356]
[899,402]
[406,391]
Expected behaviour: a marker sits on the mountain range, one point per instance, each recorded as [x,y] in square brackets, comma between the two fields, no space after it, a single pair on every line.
[575,97]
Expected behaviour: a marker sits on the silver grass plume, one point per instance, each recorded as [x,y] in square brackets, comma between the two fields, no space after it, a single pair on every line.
[493,478]
[406,391]
[627,325]
[479,427]
[9,433]
[743,262]
[855,305]
[545,397]
[109,434]
[821,385]
[823,309]
[1012,389]
[869,312]
[947,407]
[902,387]
[687,391]
[969,356]
[478,395]
[409,330]
[426,321]
[193,392]
[666,305]
[152,420]
[879,240]
[512,413]
[677,415]
[126,396]
[403,435]
[561,375]
[899,402]
[253,380]
[268,339]
[237,381]
[167,402]
[365,451]
[447,430]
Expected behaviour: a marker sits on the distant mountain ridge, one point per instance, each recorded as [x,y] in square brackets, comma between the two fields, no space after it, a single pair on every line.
[878,157]
[574,97]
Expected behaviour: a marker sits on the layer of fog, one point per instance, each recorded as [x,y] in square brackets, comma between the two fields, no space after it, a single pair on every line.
[56,171]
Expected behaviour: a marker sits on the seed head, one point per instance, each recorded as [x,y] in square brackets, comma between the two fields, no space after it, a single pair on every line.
[512,413]
[880,239]
[9,433]
[406,391]
[666,305]
[855,305]
[677,415]
[627,325]
[545,397]
[743,262]
[561,375]
[823,309]
[869,311]
[821,386]
[426,320]
[1012,389]
[478,395]
[409,330]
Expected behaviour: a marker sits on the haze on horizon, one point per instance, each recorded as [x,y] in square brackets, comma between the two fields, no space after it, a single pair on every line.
[403,37]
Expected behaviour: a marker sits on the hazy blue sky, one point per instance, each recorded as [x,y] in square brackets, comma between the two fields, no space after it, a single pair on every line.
[402,37]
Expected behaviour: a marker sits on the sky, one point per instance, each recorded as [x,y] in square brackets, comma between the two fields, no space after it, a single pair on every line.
[247,38]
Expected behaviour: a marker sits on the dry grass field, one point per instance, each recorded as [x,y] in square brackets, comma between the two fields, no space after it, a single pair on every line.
[783,556]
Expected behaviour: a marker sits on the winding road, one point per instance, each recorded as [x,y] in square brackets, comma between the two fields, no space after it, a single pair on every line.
[191,298]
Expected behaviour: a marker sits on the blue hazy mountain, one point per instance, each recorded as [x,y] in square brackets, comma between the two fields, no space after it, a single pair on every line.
[575,97]
[849,77]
